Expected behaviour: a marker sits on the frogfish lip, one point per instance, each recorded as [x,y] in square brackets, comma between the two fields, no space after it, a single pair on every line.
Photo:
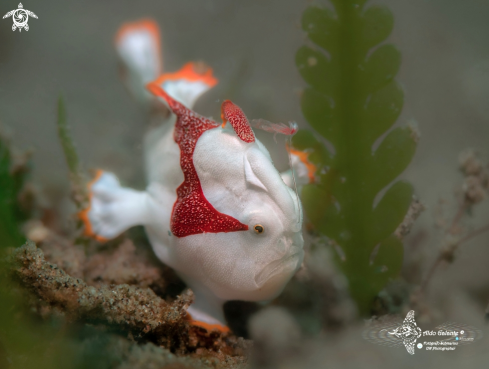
[286,265]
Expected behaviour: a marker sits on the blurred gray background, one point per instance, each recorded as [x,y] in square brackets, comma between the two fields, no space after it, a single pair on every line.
[251,45]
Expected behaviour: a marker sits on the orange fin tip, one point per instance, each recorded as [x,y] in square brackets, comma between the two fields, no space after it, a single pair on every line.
[304,158]
[208,327]
[192,72]
[83,214]
[144,24]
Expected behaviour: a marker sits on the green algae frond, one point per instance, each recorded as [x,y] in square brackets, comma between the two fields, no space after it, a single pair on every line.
[352,101]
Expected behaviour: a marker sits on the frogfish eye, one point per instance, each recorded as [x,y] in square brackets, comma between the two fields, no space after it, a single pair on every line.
[259,228]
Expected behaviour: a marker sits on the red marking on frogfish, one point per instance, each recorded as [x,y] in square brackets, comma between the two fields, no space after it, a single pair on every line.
[233,114]
[192,213]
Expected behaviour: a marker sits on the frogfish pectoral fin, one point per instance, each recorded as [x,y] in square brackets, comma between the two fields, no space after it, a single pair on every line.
[138,46]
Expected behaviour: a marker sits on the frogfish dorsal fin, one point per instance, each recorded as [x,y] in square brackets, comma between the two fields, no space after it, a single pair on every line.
[189,83]
[233,114]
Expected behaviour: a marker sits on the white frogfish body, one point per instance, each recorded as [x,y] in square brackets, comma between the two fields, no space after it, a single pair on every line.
[215,209]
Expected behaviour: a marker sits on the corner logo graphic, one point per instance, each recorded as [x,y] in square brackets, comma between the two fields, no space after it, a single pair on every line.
[391,331]
[20,17]
[409,332]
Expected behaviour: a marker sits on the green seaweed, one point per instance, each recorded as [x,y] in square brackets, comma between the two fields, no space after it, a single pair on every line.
[26,342]
[66,140]
[11,184]
[352,101]
[79,195]
[53,342]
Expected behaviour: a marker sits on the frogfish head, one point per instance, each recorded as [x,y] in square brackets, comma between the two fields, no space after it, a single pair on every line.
[239,179]
[250,265]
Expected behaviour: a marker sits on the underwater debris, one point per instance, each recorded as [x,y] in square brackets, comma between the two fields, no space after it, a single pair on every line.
[473,191]
[150,356]
[121,263]
[123,266]
[414,211]
[60,251]
[138,310]
[120,353]
[476,181]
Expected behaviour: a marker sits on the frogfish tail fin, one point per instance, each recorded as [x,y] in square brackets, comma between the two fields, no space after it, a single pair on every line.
[138,46]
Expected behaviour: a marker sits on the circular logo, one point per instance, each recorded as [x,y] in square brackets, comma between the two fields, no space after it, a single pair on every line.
[20,17]
[420,345]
